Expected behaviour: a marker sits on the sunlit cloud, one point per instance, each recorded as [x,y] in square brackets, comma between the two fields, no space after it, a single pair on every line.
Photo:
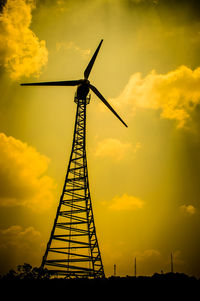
[188,209]
[144,1]
[147,254]
[61,7]
[115,149]
[21,52]
[71,45]
[126,202]
[18,245]
[22,176]
[175,94]
[177,259]
[16,236]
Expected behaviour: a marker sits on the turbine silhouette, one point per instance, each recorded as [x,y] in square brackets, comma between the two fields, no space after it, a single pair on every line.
[73,249]
[84,85]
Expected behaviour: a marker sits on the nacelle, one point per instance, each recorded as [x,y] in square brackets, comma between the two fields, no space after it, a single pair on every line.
[86,100]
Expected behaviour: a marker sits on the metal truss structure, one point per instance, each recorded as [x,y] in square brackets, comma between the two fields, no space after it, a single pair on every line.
[73,250]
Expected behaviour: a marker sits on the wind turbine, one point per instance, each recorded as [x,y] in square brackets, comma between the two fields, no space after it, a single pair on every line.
[73,249]
[84,85]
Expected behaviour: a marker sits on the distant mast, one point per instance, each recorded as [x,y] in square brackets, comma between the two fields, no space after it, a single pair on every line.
[172,266]
[114,269]
[135,268]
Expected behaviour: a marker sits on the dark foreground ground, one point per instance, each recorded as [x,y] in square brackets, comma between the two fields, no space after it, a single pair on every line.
[158,286]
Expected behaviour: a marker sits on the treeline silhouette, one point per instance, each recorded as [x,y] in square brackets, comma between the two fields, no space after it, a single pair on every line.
[27,272]
[32,282]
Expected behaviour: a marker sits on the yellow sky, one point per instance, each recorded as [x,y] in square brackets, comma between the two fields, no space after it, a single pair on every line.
[144,179]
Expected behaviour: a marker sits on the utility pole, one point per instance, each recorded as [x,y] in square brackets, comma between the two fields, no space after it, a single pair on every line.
[115,270]
[135,268]
[172,266]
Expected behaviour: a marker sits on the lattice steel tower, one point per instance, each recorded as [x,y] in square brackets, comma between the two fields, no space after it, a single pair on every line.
[73,237]
[73,249]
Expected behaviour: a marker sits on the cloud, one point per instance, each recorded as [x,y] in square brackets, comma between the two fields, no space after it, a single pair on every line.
[115,149]
[188,209]
[22,176]
[147,254]
[176,94]
[18,245]
[21,52]
[143,1]
[177,259]
[15,236]
[126,202]
[71,45]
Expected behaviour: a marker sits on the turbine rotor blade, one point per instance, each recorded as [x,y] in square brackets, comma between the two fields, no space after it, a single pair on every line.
[106,103]
[59,83]
[91,63]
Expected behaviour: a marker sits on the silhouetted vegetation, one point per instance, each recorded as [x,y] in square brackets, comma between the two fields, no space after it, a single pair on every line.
[27,272]
[32,282]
